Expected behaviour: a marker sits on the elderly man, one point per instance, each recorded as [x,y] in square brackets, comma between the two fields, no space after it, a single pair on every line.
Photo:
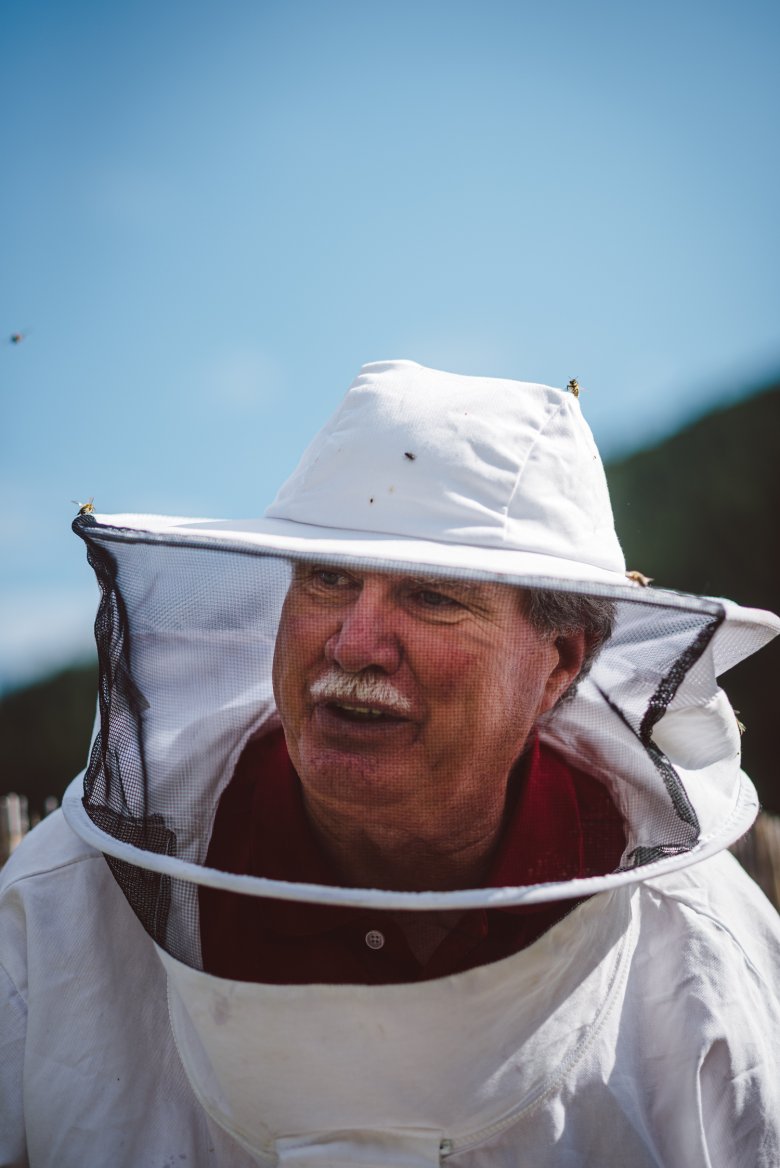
[402,838]
[381,712]
[408,705]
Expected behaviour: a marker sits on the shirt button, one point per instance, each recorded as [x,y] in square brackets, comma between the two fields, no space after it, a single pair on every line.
[375,939]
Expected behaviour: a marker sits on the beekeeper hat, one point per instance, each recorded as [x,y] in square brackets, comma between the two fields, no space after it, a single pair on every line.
[454,472]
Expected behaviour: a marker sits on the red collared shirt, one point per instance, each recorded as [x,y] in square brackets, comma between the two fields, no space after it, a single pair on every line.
[561,824]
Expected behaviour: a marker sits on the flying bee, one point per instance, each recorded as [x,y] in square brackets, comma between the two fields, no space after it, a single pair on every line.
[85,508]
[574,387]
[16,338]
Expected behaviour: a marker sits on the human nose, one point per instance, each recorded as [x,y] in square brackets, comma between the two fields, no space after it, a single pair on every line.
[366,637]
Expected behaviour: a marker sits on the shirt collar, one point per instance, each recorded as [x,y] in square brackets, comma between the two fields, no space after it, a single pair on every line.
[541,838]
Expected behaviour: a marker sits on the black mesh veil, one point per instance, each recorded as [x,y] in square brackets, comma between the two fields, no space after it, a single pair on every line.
[186,634]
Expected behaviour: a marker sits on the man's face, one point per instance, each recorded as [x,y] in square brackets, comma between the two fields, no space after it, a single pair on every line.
[403,696]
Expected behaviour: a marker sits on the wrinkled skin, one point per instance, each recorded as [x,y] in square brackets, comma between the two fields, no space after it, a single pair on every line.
[405,703]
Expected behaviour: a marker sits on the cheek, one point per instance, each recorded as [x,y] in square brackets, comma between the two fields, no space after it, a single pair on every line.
[468,690]
[289,664]
[515,693]
[299,643]
[299,657]
[452,678]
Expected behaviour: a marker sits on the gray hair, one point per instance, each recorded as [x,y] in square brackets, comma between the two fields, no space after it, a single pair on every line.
[562,613]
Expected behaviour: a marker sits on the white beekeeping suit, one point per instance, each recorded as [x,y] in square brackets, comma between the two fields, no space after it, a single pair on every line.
[639,1026]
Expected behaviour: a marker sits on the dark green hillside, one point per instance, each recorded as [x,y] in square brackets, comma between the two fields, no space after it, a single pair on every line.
[44,734]
[701,513]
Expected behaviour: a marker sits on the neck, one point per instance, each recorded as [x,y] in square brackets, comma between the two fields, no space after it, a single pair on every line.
[410,853]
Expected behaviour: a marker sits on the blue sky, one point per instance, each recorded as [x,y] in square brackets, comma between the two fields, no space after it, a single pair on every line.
[215,213]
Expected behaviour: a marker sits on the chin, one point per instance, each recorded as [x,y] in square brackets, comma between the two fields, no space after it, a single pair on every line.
[352,776]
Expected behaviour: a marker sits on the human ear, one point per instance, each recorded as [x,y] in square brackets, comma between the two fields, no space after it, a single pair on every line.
[570,649]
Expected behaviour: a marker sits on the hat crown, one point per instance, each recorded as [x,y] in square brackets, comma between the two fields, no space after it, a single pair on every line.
[418,453]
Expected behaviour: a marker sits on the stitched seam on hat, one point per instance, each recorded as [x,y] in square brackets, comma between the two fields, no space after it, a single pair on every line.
[521,470]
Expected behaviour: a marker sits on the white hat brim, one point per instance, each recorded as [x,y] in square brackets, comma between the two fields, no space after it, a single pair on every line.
[288,537]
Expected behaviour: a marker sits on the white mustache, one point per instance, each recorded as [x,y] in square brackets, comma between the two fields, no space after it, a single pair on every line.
[361,689]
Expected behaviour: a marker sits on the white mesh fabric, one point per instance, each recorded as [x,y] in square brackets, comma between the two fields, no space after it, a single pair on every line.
[186,635]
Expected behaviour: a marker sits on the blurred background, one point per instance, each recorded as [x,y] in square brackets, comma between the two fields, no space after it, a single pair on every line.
[214,214]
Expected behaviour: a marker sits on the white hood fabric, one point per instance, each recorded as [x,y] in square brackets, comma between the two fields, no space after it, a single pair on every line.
[639,1029]
[472,478]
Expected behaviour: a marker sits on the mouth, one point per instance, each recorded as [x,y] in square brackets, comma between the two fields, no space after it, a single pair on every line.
[365,715]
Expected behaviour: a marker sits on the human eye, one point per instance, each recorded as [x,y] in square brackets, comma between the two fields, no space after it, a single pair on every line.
[434,602]
[327,583]
[329,578]
[430,598]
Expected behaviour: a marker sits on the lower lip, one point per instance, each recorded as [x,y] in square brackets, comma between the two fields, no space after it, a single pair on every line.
[331,723]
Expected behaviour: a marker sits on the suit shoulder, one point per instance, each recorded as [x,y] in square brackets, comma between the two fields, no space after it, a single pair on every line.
[720,909]
[49,847]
